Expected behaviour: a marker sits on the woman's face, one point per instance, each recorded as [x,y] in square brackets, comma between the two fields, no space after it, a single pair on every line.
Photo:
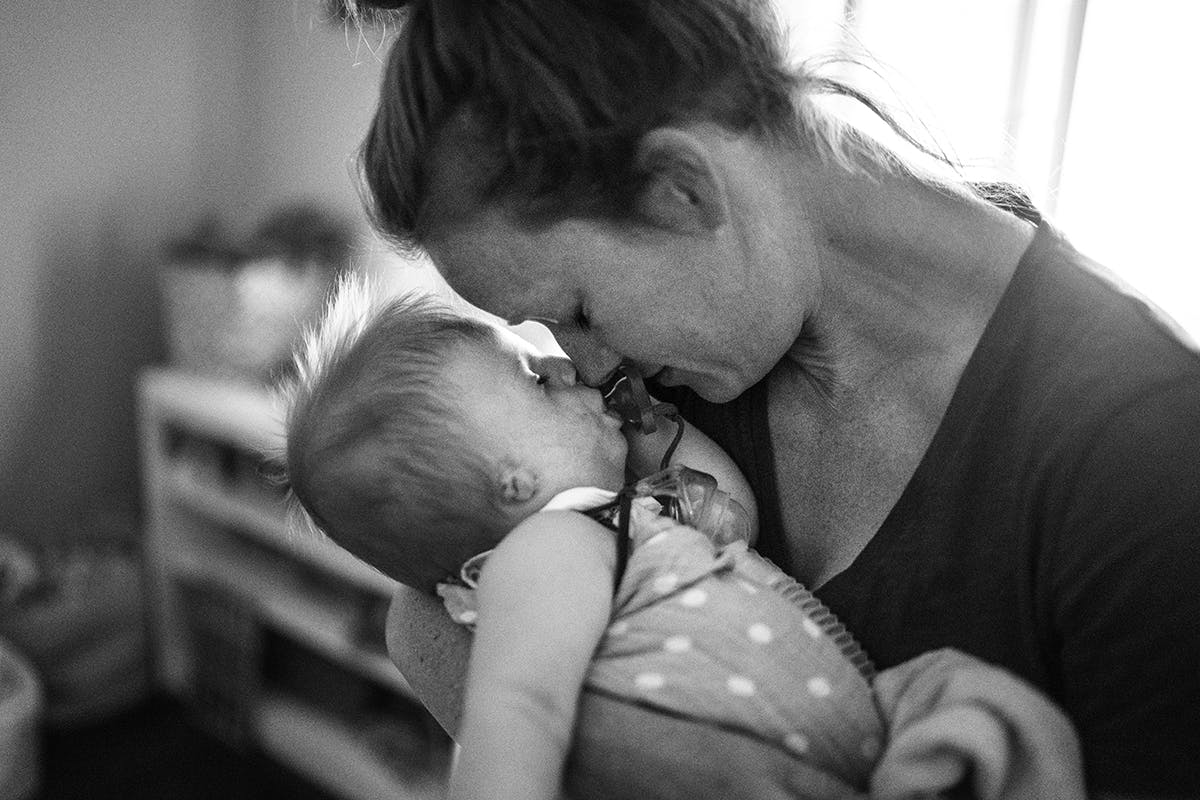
[706,310]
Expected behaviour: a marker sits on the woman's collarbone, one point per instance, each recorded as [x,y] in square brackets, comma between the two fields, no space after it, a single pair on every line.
[840,472]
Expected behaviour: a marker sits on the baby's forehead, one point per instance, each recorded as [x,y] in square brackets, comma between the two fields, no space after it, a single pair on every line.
[506,345]
[496,350]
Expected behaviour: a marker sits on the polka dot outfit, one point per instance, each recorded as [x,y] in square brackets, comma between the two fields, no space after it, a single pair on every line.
[711,634]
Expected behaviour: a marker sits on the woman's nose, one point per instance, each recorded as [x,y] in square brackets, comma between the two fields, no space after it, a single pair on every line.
[594,361]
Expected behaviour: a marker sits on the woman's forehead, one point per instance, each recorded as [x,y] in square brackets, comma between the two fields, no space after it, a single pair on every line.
[511,273]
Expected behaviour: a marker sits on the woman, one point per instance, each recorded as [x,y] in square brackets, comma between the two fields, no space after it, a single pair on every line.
[960,433]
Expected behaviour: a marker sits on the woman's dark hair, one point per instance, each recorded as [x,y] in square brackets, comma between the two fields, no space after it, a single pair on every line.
[540,105]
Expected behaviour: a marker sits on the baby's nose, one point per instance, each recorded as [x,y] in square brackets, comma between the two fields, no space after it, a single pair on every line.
[558,370]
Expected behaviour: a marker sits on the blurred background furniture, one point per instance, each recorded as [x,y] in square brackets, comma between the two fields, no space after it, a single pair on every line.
[21,705]
[273,641]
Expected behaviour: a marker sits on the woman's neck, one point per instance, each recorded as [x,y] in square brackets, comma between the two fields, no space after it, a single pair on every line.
[910,275]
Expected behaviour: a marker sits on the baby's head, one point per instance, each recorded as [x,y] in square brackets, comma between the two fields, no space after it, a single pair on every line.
[418,437]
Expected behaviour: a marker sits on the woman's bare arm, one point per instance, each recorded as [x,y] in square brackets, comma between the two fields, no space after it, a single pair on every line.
[695,450]
[431,651]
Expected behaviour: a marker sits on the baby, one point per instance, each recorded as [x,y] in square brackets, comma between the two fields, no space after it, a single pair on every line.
[454,457]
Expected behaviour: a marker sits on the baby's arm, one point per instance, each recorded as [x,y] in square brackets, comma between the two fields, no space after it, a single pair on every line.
[694,450]
[545,596]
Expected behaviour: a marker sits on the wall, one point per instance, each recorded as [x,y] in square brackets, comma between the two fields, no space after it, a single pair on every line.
[122,123]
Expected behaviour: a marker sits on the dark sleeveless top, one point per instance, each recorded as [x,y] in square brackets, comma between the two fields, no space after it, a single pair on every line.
[1053,525]
[741,428]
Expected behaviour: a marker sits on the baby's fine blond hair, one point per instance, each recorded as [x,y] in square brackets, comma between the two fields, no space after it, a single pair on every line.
[375,457]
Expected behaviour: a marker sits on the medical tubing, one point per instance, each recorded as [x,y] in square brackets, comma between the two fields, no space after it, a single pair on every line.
[794,591]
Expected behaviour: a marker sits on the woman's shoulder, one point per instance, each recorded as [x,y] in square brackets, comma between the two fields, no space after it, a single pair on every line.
[1069,337]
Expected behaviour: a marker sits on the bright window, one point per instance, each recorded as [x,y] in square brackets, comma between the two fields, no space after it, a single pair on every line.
[1087,105]
[1130,174]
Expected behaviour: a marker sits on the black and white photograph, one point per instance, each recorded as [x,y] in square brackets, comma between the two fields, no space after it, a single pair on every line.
[599,400]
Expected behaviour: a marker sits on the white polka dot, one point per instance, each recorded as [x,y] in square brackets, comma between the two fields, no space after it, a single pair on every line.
[759,632]
[677,644]
[748,586]
[812,628]
[619,628]
[694,598]
[664,584]
[657,538]
[870,747]
[468,617]
[819,687]
[649,681]
[739,685]
[796,742]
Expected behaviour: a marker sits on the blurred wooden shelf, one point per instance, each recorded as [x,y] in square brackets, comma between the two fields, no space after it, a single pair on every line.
[327,752]
[214,521]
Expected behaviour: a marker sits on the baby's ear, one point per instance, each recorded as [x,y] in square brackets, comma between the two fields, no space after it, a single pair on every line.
[518,484]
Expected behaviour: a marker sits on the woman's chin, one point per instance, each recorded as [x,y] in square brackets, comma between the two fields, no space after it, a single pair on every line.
[713,388]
